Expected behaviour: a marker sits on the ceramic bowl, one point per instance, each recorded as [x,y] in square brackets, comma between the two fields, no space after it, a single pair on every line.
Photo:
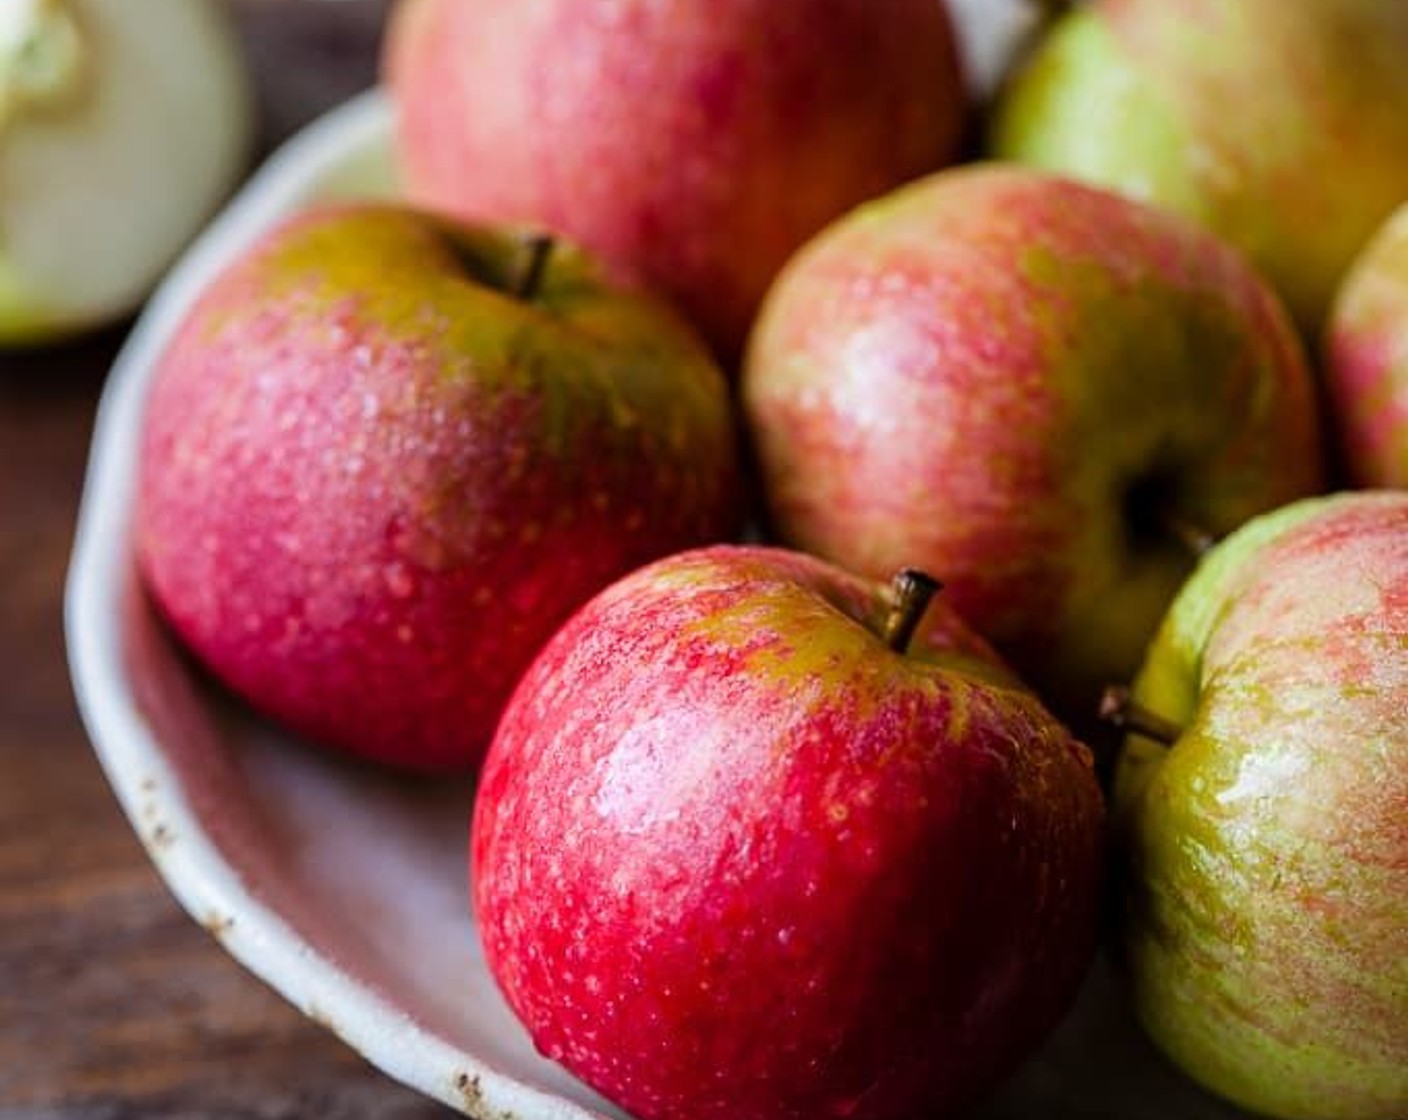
[341,886]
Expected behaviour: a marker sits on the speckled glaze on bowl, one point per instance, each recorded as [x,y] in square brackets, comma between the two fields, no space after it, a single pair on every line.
[341,886]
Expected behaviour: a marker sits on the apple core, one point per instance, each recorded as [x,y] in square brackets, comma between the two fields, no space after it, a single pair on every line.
[43,56]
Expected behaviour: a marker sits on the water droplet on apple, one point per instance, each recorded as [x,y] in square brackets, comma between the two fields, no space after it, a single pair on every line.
[400,581]
[416,544]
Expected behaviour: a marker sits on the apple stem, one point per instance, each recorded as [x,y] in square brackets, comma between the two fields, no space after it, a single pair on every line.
[910,592]
[1119,708]
[530,266]
[1197,540]
[1051,9]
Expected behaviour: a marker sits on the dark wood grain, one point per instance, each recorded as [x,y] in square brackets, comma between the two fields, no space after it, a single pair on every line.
[113,1003]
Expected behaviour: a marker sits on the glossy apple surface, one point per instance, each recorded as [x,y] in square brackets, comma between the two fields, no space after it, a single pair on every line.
[1366,360]
[737,856]
[1265,865]
[373,479]
[1281,126]
[699,144]
[1035,390]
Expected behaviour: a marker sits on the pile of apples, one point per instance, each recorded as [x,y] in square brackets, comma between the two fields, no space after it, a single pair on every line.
[759,510]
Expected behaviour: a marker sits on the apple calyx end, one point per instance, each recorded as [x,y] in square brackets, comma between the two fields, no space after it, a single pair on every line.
[43,56]
[910,593]
[1119,709]
[526,278]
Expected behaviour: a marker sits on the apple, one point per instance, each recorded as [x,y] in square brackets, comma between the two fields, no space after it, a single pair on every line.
[386,454]
[123,123]
[758,839]
[1281,126]
[697,144]
[1262,809]
[1366,359]
[1036,389]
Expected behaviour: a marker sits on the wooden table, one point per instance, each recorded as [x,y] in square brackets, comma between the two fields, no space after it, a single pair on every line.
[113,1003]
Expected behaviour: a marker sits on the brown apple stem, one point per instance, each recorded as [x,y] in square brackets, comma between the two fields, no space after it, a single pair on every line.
[1119,708]
[1051,9]
[910,592]
[532,263]
[1190,535]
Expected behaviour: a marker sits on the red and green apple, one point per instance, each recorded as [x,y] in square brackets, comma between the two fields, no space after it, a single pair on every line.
[1283,127]
[387,454]
[1366,360]
[697,144]
[1045,394]
[1262,816]
[761,840]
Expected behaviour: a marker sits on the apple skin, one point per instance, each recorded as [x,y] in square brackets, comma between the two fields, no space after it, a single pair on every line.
[1007,378]
[1281,126]
[372,484]
[697,144]
[733,857]
[1366,360]
[1264,927]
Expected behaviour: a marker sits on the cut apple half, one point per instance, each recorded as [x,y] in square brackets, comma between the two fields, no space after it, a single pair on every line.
[123,124]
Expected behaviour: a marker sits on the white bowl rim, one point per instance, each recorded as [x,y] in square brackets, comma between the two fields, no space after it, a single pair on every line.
[203,882]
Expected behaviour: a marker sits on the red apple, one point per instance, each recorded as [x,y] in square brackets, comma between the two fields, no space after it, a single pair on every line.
[385,456]
[1366,359]
[699,144]
[743,851]
[1037,390]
